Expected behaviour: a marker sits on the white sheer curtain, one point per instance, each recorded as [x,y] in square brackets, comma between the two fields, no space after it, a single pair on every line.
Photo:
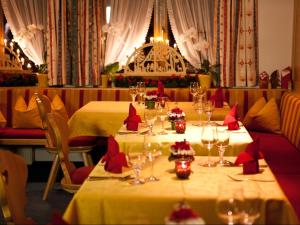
[129,23]
[192,27]
[27,20]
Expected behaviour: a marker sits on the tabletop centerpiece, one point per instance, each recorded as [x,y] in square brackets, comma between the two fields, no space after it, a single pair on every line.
[181,150]
[150,99]
[175,114]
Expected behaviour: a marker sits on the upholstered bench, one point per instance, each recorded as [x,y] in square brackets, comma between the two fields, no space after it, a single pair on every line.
[282,151]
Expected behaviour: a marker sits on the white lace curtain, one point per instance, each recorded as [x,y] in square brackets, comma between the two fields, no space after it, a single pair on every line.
[27,20]
[192,27]
[129,23]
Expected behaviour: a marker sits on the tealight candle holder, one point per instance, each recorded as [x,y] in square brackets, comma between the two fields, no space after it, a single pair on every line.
[180,126]
[183,168]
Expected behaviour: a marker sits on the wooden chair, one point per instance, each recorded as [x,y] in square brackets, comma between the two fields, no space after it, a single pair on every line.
[58,133]
[44,107]
[13,179]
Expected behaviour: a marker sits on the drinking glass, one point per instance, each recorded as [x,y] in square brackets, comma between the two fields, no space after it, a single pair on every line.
[162,113]
[133,93]
[208,108]
[150,118]
[194,89]
[141,89]
[136,160]
[229,204]
[198,106]
[252,202]
[208,139]
[223,136]
[152,150]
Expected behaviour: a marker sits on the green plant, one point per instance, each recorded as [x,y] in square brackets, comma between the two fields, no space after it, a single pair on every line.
[111,68]
[212,70]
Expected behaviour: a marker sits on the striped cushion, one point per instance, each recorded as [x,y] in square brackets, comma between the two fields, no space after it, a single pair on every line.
[290,118]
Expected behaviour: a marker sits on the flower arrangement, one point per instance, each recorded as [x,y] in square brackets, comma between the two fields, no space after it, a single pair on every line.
[181,149]
[263,79]
[150,99]
[183,214]
[176,113]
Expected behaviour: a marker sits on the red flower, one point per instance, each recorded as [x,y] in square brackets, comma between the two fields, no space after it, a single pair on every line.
[183,145]
[150,93]
[182,214]
[177,110]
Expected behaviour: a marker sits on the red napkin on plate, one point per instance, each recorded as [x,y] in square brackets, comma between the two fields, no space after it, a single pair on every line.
[217,99]
[160,89]
[133,120]
[114,160]
[231,119]
[249,158]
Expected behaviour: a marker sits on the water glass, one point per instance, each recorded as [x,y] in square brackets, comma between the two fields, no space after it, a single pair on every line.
[133,93]
[136,160]
[150,118]
[141,89]
[162,113]
[194,89]
[208,139]
[222,143]
[208,108]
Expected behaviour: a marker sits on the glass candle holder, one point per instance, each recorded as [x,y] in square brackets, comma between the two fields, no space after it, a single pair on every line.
[180,126]
[183,168]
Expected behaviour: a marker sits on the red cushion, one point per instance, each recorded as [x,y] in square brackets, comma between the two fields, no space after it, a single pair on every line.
[280,154]
[14,133]
[290,185]
[83,141]
[80,174]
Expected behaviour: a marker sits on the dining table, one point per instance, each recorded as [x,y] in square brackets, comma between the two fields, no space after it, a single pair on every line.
[107,198]
[104,118]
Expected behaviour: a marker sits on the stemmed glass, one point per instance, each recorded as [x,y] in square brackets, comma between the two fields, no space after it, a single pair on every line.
[223,136]
[133,93]
[229,204]
[162,113]
[208,108]
[150,118]
[198,106]
[136,160]
[209,138]
[151,150]
[141,89]
[194,89]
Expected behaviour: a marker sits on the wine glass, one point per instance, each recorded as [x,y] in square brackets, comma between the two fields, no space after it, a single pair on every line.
[194,89]
[150,118]
[208,139]
[252,202]
[198,106]
[208,108]
[162,113]
[223,136]
[133,93]
[136,160]
[229,204]
[152,150]
[141,89]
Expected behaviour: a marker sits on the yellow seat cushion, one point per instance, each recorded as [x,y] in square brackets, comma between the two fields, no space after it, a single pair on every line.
[267,119]
[26,116]
[258,105]
[58,106]
[2,120]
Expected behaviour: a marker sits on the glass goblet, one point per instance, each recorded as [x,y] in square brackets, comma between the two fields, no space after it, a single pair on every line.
[152,150]
[223,137]
[208,108]
[194,89]
[136,160]
[150,118]
[162,113]
[208,139]
[198,106]
[133,93]
[141,89]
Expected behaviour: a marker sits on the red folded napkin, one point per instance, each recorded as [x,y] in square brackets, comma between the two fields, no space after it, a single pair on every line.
[286,77]
[160,89]
[231,119]
[133,120]
[217,99]
[249,158]
[113,159]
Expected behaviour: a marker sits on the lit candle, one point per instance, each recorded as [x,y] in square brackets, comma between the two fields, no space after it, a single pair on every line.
[28,66]
[22,60]
[151,40]
[11,45]
[180,126]
[183,168]
[175,45]
[18,51]
[5,41]
[167,42]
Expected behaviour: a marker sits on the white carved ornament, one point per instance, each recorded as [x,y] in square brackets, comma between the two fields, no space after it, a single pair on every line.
[155,59]
[9,61]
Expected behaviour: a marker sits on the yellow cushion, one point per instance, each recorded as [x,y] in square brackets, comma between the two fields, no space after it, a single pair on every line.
[258,105]
[2,120]
[26,116]
[268,119]
[58,106]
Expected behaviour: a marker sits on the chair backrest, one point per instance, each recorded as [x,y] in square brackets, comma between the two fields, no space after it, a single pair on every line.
[59,132]
[13,179]
[44,107]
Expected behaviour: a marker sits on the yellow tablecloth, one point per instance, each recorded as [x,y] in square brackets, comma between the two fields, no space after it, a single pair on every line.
[104,118]
[239,139]
[111,201]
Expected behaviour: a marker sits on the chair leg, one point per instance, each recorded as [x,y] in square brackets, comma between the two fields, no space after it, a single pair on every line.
[87,159]
[52,176]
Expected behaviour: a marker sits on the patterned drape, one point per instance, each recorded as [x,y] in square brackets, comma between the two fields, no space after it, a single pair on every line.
[235,42]
[74,42]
